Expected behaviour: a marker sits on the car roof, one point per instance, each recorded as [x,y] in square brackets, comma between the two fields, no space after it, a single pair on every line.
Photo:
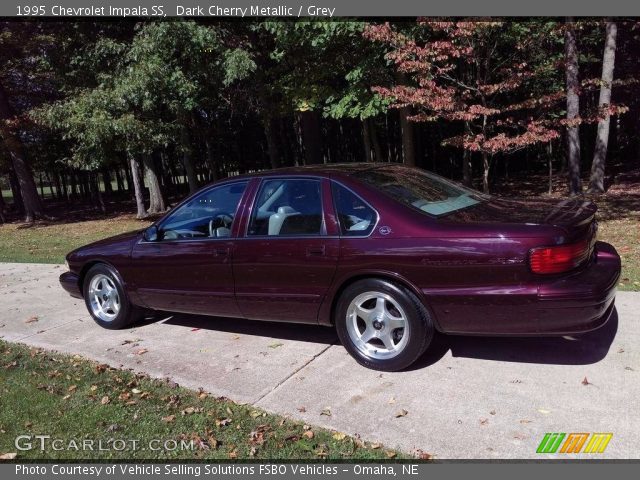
[325,170]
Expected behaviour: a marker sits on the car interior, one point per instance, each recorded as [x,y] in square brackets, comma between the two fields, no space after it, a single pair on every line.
[288,207]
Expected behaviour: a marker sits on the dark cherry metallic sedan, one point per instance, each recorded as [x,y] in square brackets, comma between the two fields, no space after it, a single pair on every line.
[385,253]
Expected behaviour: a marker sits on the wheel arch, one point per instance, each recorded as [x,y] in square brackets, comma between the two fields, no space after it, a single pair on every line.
[327,317]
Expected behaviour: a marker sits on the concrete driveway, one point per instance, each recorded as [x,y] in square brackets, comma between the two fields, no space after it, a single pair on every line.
[467,398]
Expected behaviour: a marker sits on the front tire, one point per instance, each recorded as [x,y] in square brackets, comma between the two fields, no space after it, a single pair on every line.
[106,299]
[384,326]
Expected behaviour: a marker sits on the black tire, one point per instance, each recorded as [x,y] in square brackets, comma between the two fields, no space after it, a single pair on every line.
[127,312]
[420,325]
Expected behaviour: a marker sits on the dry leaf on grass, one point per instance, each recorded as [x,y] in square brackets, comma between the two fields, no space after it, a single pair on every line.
[169,419]
[308,434]
[339,436]
[8,456]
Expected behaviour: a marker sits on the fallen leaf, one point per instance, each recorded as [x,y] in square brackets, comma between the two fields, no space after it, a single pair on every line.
[8,456]
[93,388]
[308,434]
[424,455]
[142,351]
[105,400]
[306,427]
[621,350]
[484,421]
[255,414]
[136,391]
[66,397]
[191,410]
[392,400]
[72,388]
[169,419]
[401,413]
[390,454]
[524,420]
[223,422]
[326,411]
[101,368]
[586,382]
[28,425]
[229,411]
[233,454]
[376,446]
[492,412]
[339,436]
[543,411]
[124,396]
[302,409]
[31,319]
[276,345]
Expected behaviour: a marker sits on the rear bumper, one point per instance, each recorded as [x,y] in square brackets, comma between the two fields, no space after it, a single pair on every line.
[71,283]
[570,304]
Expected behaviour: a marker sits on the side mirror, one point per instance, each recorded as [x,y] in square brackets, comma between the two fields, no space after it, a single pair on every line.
[151,234]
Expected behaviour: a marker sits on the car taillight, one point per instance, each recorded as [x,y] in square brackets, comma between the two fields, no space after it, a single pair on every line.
[561,258]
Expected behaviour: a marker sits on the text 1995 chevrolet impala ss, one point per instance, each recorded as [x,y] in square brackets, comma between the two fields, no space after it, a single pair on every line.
[385,253]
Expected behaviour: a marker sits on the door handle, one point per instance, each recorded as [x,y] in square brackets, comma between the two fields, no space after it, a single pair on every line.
[315,251]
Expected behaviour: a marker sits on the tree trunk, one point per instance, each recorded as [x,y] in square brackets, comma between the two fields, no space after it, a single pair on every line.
[3,207]
[156,200]
[15,191]
[271,132]
[106,178]
[211,159]
[137,185]
[190,170]
[486,165]
[94,190]
[573,109]
[375,139]
[366,140]
[467,167]
[119,184]
[311,137]
[31,203]
[596,182]
[406,127]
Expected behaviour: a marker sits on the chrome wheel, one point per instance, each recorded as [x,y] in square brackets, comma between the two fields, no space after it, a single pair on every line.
[377,325]
[104,298]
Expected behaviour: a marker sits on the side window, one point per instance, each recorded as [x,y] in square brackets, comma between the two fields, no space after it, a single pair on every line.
[287,207]
[356,217]
[207,215]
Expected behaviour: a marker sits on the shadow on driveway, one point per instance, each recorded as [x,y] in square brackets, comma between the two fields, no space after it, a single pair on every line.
[584,349]
[284,331]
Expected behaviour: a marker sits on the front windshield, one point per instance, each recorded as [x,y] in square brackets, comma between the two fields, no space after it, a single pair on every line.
[425,191]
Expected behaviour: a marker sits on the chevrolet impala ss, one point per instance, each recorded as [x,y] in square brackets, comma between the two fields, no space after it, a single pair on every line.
[385,254]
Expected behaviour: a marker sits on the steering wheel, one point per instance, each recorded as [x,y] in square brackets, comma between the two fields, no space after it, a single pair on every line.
[221,220]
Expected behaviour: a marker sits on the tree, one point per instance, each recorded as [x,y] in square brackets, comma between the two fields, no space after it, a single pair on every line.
[31,203]
[573,108]
[596,182]
[475,74]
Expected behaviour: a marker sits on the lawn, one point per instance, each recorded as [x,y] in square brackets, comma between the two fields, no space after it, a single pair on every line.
[131,416]
[49,242]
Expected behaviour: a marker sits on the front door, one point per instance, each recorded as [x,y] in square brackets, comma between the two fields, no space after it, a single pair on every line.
[188,268]
[285,262]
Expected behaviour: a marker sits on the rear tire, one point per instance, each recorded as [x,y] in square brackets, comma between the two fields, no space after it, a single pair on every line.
[107,300]
[384,326]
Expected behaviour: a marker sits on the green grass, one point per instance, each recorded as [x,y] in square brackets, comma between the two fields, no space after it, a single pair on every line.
[71,399]
[49,243]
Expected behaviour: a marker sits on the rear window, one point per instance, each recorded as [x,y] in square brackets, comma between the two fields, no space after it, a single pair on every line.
[424,191]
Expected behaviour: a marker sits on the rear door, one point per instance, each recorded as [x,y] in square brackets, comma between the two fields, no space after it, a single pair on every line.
[188,268]
[285,261]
